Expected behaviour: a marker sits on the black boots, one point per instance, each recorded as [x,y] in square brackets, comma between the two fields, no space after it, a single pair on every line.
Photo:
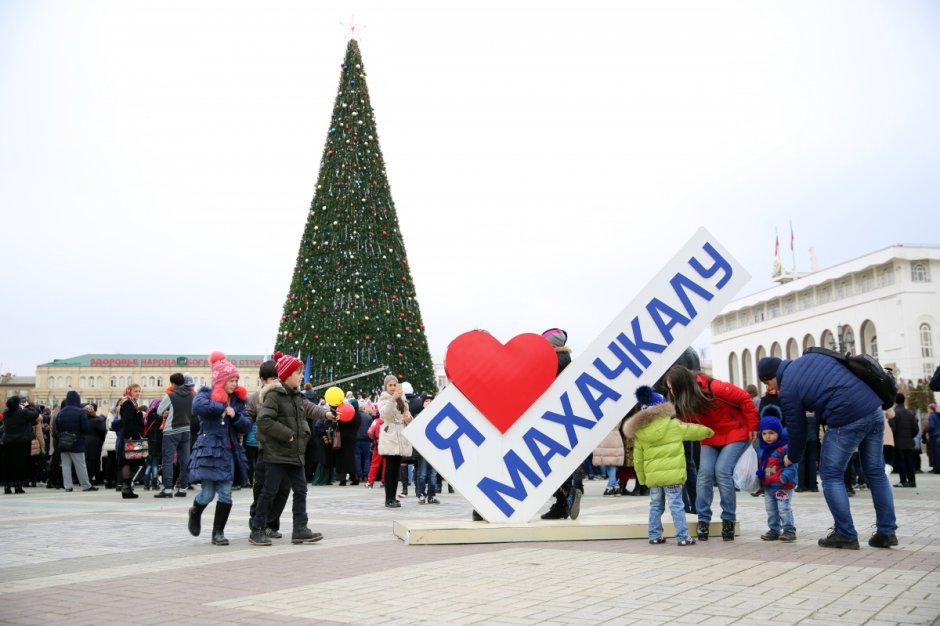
[128,492]
[195,518]
[701,531]
[218,525]
[727,530]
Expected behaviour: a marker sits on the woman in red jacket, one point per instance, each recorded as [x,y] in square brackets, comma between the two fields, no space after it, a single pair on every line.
[729,411]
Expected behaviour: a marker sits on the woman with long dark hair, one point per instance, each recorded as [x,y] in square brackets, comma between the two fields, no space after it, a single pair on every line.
[729,411]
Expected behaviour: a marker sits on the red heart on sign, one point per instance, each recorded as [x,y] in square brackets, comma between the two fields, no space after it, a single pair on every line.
[501,381]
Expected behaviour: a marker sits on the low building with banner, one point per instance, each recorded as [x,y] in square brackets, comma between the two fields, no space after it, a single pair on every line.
[102,378]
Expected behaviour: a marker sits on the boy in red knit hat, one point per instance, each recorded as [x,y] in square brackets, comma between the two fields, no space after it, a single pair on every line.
[283,424]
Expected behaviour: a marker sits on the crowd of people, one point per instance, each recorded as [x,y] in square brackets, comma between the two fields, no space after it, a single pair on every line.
[684,437]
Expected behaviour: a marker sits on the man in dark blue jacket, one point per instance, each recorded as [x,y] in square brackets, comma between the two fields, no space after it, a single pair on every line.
[852,411]
[71,424]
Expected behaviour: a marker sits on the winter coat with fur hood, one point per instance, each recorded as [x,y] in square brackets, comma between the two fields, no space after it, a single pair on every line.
[217,444]
[659,456]
[282,424]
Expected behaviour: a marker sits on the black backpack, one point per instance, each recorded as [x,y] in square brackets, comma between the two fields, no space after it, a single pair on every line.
[869,371]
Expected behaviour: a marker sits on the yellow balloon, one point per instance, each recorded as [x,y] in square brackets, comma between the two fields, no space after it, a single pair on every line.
[334,396]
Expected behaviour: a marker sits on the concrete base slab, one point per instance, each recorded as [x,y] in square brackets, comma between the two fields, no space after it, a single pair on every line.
[585,528]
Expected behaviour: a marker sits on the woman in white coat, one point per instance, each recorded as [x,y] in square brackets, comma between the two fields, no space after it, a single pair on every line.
[392,444]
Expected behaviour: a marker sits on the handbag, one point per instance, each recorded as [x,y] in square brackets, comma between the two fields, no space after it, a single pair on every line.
[136,449]
[337,441]
[66,441]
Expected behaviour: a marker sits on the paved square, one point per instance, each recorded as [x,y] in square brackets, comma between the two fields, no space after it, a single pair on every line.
[93,558]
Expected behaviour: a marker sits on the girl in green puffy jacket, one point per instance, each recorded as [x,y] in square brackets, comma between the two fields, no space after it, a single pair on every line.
[659,460]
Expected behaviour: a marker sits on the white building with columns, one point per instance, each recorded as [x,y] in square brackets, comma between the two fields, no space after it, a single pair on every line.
[886,304]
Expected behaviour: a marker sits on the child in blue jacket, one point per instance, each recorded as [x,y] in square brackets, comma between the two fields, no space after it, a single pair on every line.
[777,479]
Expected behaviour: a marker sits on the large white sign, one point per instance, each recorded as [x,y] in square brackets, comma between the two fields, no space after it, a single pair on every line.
[509,476]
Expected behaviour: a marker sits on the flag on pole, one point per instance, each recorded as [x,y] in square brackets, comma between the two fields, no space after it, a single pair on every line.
[791,235]
[777,244]
[307,371]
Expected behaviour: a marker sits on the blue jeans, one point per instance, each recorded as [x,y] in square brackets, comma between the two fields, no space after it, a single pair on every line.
[778,504]
[717,463]
[212,487]
[178,443]
[363,458]
[611,471]
[867,435]
[426,472]
[658,496]
[151,471]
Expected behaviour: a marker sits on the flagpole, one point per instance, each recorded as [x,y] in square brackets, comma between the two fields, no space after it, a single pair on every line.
[792,250]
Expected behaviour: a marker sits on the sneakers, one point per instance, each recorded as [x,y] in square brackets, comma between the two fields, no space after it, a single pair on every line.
[770,535]
[304,535]
[658,541]
[701,531]
[433,500]
[879,540]
[688,541]
[273,534]
[92,488]
[610,491]
[258,538]
[180,494]
[422,500]
[164,494]
[575,509]
[835,540]
[787,537]
[393,504]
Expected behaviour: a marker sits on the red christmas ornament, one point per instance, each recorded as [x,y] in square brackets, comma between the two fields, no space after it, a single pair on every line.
[401,315]
[284,317]
[316,337]
[290,334]
[394,297]
[368,337]
[295,312]
[329,152]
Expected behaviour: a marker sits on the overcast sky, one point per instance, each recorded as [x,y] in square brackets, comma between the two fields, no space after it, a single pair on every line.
[157,160]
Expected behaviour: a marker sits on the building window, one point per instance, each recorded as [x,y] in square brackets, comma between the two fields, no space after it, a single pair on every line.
[828,340]
[152,381]
[51,382]
[793,349]
[928,371]
[885,277]
[808,342]
[926,343]
[114,381]
[68,381]
[789,306]
[159,381]
[847,340]
[919,272]
[773,309]
[842,289]
[82,382]
[733,368]
[99,382]
[121,383]
[874,347]
[825,294]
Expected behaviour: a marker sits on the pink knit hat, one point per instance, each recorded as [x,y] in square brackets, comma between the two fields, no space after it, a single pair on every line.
[223,370]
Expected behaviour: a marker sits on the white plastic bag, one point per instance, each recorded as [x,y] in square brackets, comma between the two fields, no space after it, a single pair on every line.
[745,471]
